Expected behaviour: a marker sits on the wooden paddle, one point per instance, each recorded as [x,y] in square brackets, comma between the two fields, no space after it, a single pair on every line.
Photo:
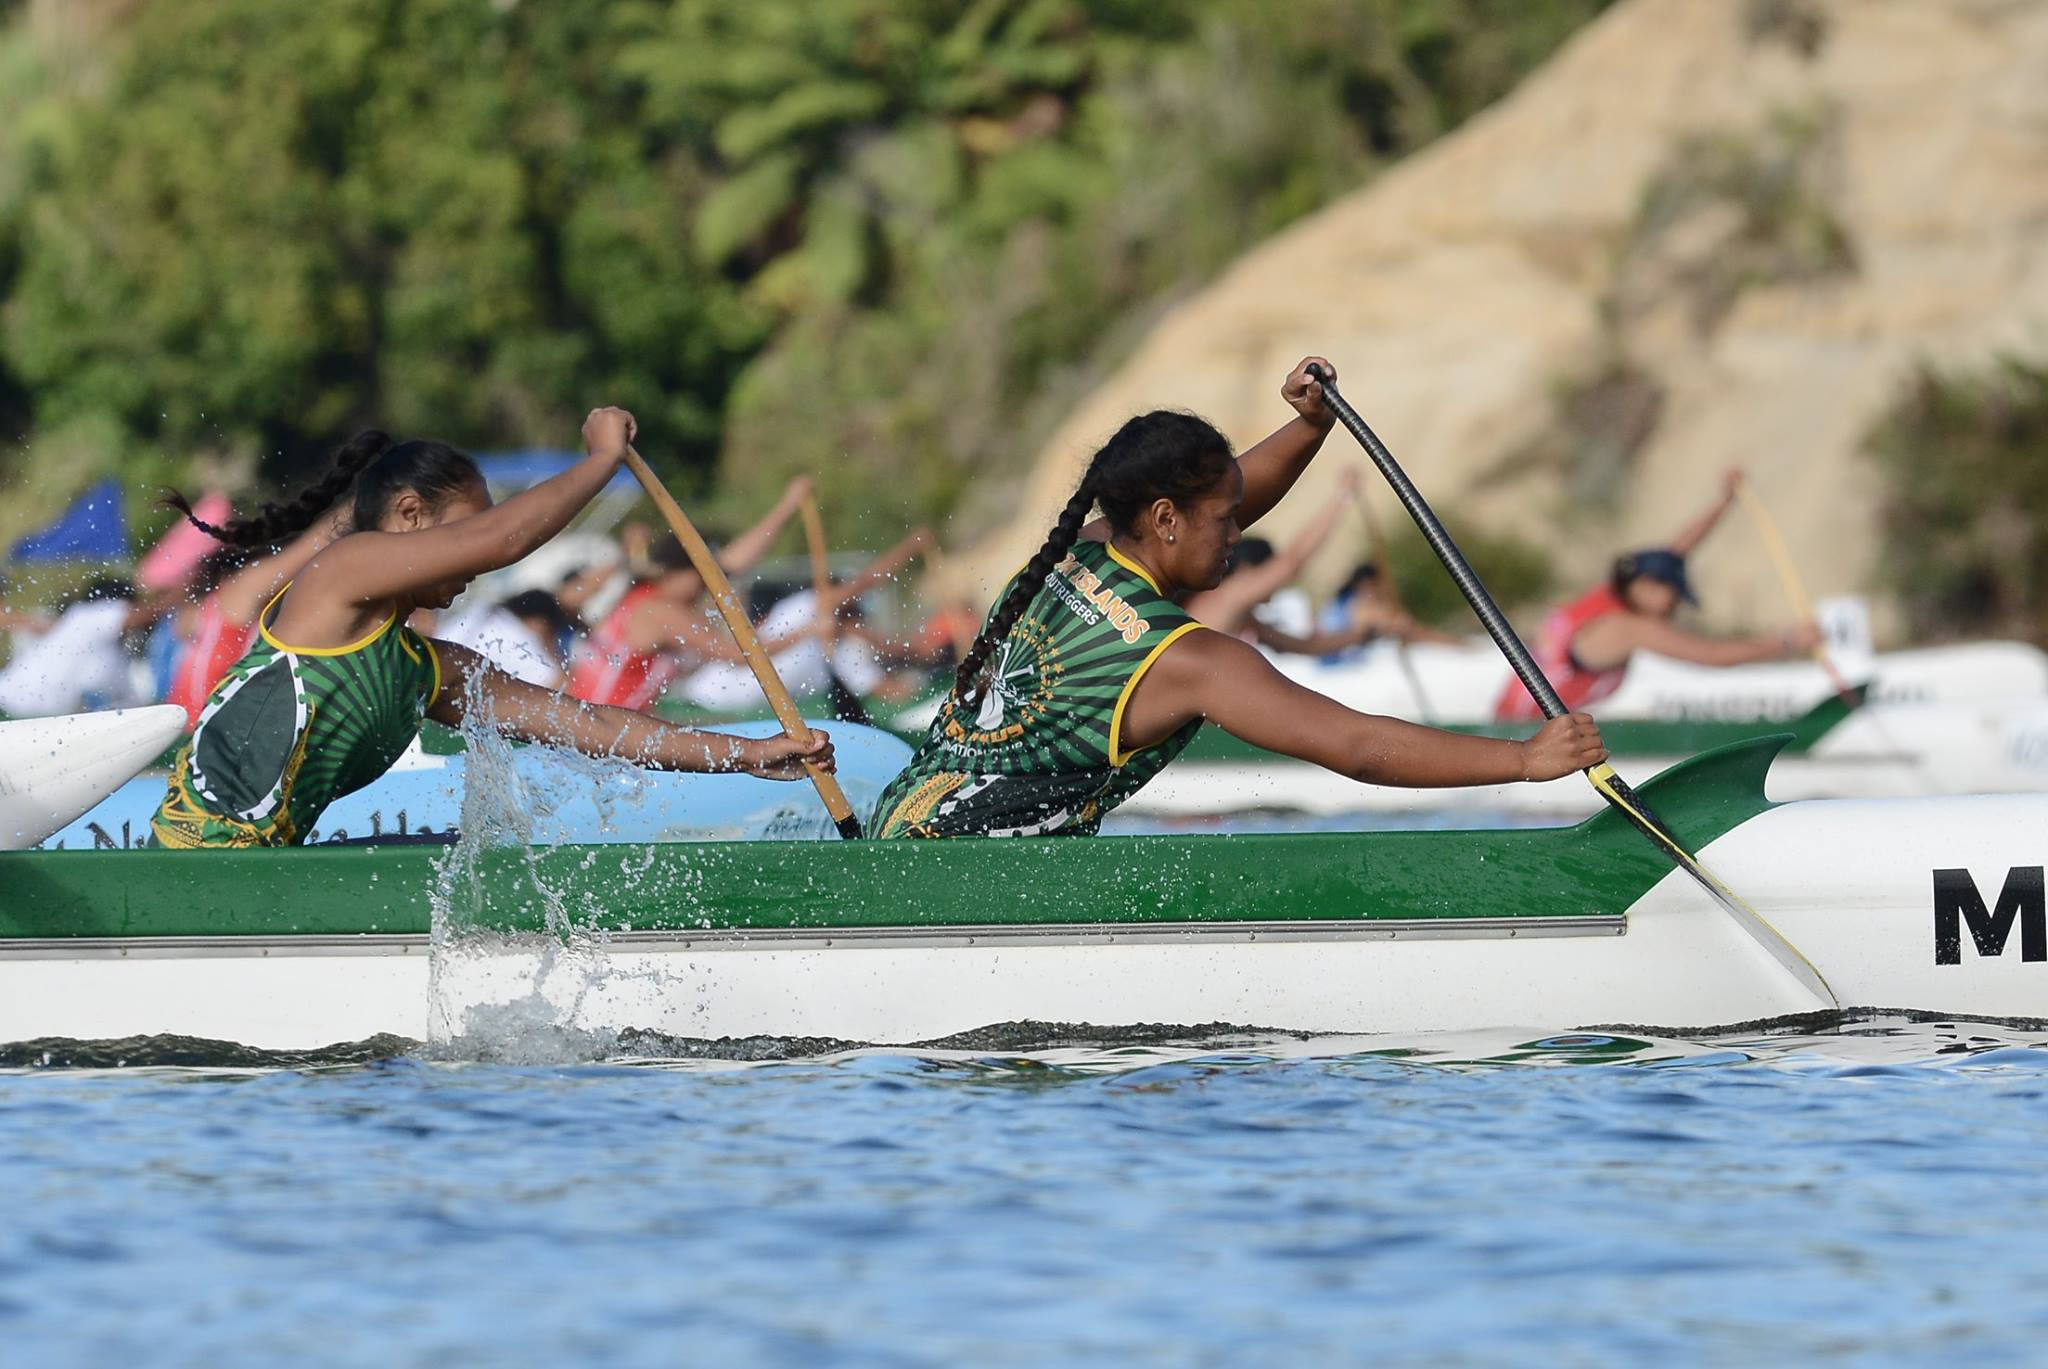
[1788,576]
[1802,608]
[1610,786]
[1378,546]
[846,705]
[742,630]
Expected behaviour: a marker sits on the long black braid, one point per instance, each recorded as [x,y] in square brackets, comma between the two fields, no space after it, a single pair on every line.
[277,522]
[377,467]
[966,683]
[1161,455]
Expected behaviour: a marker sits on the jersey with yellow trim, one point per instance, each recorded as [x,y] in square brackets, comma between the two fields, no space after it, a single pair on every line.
[1042,753]
[291,729]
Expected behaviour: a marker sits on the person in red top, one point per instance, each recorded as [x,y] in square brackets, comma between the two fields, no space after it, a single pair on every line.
[227,592]
[1585,646]
[659,630]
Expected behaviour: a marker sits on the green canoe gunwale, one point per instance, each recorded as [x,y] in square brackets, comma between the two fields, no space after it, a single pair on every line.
[1598,868]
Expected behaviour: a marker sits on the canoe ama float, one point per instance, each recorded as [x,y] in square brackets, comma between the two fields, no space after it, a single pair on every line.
[1924,904]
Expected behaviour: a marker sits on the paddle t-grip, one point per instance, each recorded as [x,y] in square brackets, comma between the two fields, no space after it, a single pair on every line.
[1488,612]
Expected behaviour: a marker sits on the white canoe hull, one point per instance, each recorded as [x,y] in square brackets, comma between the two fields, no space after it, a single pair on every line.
[1880,751]
[1464,682]
[1852,884]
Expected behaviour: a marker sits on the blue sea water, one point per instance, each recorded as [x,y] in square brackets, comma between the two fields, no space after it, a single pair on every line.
[1874,1194]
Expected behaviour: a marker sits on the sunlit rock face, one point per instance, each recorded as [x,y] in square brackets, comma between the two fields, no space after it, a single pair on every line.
[1702,234]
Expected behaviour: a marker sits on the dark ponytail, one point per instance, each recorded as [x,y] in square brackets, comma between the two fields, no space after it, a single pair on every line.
[1160,455]
[378,468]
[277,522]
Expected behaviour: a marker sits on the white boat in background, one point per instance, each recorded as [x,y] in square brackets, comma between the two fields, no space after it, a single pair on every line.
[1462,683]
[1966,719]
[1880,751]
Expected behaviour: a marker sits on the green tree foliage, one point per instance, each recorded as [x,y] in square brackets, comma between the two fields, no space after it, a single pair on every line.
[881,239]
[1965,457]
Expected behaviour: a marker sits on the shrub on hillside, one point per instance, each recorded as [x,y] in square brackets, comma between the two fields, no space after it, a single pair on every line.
[1965,520]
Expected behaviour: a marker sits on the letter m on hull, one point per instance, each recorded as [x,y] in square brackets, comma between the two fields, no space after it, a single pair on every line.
[1957,901]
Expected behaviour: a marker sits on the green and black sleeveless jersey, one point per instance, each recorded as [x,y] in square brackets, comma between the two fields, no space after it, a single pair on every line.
[291,729]
[1042,754]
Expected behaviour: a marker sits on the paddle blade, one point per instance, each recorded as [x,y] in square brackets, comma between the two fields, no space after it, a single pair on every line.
[1629,804]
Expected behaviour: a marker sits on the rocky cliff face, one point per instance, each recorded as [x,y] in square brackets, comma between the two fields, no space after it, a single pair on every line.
[1709,232]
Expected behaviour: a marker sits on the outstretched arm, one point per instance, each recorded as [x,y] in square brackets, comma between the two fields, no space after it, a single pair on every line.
[1370,618]
[881,568]
[1610,641]
[373,567]
[739,555]
[1209,675]
[1696,531]
[1321,642]
[529,713]
[22,620]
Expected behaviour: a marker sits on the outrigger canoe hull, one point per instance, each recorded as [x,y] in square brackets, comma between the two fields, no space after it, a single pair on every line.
[1933,905]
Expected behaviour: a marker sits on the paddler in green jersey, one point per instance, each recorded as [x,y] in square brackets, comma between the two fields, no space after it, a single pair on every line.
[1088,677]
[337,685]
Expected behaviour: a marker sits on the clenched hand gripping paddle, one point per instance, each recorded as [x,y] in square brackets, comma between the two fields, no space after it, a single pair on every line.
[1611,786]
[743,634]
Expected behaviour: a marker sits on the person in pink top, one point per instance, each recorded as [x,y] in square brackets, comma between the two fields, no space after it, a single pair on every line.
[660,630]
[1586,645]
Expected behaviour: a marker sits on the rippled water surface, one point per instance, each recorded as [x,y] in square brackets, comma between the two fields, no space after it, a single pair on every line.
[1869,1195]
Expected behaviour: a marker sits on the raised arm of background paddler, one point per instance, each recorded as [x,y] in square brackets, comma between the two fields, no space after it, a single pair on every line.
[1228,607]
[529,713]
[1695,532]
[739,555]
[379,566]
[1271,468]
[882,567]
[1209,675]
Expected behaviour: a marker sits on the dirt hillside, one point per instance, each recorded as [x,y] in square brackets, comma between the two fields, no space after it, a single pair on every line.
[1707,232]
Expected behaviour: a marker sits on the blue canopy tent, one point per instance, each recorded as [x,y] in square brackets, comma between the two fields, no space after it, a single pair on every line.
[94,528]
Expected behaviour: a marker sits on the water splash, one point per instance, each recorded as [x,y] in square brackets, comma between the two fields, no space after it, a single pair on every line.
[514,998]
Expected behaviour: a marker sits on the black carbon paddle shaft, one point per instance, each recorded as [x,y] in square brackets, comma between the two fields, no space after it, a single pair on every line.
[1490,616]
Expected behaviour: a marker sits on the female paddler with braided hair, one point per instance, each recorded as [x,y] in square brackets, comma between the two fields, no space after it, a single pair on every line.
[336,685]
[1089,676]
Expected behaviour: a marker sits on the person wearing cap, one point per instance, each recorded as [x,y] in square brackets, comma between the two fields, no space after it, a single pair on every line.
[1586,645]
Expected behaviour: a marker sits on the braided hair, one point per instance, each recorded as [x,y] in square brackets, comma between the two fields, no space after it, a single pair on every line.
[378,469]
[1161,455]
